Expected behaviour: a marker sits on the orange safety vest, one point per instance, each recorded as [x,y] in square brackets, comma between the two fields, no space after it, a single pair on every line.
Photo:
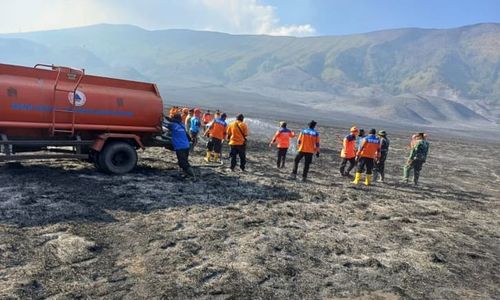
[283,137]
[236,136]
[308,141]
[370,147]
[349,147]
[218,129]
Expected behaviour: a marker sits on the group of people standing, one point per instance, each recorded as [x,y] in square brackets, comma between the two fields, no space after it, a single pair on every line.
[368,153]
[185,126]
[365,152]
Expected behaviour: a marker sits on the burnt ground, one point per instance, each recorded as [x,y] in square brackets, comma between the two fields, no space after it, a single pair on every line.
[69,232]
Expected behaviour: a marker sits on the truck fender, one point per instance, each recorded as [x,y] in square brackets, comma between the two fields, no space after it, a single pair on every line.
[103,138]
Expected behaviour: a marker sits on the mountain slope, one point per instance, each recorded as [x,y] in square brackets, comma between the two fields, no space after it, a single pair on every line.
[449,76]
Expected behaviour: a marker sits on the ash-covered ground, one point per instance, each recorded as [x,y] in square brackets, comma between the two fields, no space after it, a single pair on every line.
[67,231]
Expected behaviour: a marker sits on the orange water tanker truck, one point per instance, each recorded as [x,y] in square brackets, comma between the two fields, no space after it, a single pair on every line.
[60,112]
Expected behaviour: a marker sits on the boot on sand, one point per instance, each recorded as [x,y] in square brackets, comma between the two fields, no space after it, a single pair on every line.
[208,157]
[381,178]
[357,178]
[368,180]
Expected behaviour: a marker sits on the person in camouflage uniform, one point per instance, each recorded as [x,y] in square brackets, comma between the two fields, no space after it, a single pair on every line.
[418,156]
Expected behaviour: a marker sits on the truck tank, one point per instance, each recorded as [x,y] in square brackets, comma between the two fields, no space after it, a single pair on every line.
[40,103]
[103,120]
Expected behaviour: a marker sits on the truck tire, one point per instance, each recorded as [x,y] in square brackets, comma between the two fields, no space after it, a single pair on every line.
[117,158]
[97,163]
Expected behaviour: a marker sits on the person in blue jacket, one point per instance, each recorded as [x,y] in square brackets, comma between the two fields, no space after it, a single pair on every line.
[181,143]
[195,127]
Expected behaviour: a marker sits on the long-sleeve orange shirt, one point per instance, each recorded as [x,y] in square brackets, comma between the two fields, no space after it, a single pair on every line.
[237,137]
[282,138]
[217,129]
[370,147]
[308,141]
[349,147]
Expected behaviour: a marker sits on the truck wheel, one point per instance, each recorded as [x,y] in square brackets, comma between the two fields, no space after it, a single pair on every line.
[98,163]
[94,159]
[117,158]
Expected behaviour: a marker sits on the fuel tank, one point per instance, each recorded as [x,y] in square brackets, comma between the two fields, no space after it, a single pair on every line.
[42,101]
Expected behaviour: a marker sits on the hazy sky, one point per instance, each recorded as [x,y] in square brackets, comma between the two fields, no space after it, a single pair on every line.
[277,17]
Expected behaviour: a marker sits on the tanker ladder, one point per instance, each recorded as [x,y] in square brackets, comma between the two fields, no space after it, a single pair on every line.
[72,74]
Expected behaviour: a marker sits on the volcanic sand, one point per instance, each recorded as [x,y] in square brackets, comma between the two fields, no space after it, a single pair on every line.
[67,231]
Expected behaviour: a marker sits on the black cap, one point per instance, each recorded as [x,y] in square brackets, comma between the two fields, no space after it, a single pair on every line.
[373,131]
[312,124]
[223,116]
[240,117]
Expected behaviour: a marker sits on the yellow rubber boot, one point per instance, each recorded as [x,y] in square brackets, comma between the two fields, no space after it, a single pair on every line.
[208,157]
[216,157]
[357,178]
[368,179]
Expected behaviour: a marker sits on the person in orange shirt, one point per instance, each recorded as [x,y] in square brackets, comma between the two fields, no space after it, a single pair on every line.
[207,118]
[348,153]
[172,112]
[217,133]
[237,133]
[185,112]
[282,141]
[307,146]
[366,156]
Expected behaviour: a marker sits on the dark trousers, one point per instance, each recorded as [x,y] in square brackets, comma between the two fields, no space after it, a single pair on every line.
[183,160]
[416,165]
[215,145]
[380,165]
[240,151]
[281,157]
[365,162]
[194,139]
[343,164]
[307,163]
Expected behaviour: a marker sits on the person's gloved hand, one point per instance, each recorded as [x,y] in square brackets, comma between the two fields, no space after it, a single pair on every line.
[317,154]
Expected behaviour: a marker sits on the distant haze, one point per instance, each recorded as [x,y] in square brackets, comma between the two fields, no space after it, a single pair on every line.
[444,78]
